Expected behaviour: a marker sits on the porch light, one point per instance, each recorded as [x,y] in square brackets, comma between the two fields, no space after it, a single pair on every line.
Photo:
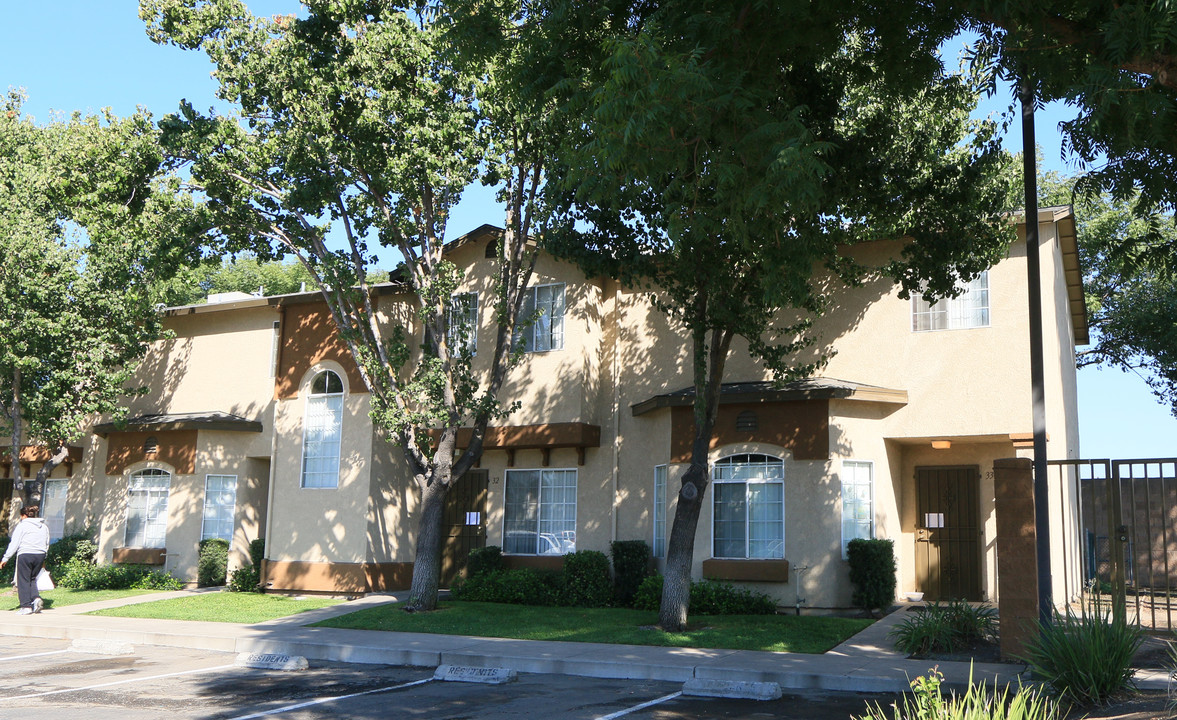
[941,444]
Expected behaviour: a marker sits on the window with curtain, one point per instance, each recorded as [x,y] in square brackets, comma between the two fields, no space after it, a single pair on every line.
[970,309]
[659,546]
[147,508]
[749,507]
[53,500]
[463,322]
[547,331]
[220,500]
[540,513]
[858,501]
[322,432]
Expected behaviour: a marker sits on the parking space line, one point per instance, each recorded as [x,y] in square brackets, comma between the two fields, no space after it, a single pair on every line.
[116,682]
[643,706]
[33,655]
[320,701]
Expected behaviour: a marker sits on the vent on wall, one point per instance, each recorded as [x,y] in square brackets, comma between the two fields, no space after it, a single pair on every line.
[747,421]
[151,445]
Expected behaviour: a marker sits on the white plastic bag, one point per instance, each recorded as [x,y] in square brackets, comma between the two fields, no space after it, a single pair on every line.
[44,581]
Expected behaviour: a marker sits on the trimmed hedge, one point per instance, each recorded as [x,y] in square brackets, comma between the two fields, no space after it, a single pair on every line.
[249,578]
[708,597]
[484,560]
[872,570]
[586,579]
[631,565]
[81,573]
[522,586]
[213,564]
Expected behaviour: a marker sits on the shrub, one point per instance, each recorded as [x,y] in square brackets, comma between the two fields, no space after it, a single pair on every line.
[945,628]
[249,578]
[8,572]
[84,575]
[586,579]
[213,563]
[484,560]
[631,564]
[872,570]
[708,598]
[523,586]
[927,702]
[1087,658]
[63,550]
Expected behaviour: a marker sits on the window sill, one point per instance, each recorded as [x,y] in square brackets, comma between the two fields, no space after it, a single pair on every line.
[139,556]
[750,570]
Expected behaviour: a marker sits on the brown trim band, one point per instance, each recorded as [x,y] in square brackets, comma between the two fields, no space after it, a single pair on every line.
[139,556]
[533,562]
[340,578]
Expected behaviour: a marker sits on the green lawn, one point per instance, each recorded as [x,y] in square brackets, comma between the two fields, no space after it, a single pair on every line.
[68,596]
[779,633]
[222,607]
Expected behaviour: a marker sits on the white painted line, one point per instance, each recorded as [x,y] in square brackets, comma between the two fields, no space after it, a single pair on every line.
[643,706]
[117,682]
[320,701]
[33,655]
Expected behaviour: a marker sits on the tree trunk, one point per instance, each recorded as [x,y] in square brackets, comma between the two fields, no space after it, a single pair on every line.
[36,492]
[14,448]
[427,563]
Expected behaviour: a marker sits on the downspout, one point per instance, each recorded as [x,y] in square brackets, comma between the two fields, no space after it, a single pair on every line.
[616,405]
[273,440]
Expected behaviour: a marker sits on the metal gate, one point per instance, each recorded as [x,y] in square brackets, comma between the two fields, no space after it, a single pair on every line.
[1127,536]
[464,522]
[948,533]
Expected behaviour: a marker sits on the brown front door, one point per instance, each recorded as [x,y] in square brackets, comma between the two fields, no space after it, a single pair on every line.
[948,533]
[464,522]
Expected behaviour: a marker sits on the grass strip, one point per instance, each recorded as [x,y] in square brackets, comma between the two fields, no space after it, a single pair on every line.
[68,596]
[245,608]
[775,633]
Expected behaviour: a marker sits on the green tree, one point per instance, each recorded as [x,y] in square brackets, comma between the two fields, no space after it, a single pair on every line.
[1131,305]
[358,118]
[725,153]
[88,223]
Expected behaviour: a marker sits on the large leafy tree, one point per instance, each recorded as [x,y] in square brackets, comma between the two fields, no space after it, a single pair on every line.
[1116,64]
[356,119]
[88,225]
[727,154]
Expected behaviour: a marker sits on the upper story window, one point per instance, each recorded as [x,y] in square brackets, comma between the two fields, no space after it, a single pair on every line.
[463,322]
[547,332]
[147,508]
[322,432]
[970,309]
[749,507]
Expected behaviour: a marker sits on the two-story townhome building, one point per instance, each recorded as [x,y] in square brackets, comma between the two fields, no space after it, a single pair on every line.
[256,425]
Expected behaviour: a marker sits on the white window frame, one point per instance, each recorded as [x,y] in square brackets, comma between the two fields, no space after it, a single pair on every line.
[659,544]
[853,501]
[53,507]
[970,309]
[331,402]
[219,508]
[149,484]
[718,470]
[547,325]
[550,540]
[463,315]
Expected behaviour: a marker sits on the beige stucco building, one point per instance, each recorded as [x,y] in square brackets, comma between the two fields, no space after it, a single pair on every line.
[256,425]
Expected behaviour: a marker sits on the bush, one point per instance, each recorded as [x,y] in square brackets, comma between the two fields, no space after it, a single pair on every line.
[63,550]
[523,586]
[945,628]
[586,579]
[213,563]
[927,702]
[484,560]
[1086,658]
[8,572]
[631,564]
[872,570]
[249,578]
[708,598]
[82,575]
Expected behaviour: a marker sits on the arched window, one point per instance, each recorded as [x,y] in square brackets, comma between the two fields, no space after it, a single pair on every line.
[322,431]
[749,507]
[147,508]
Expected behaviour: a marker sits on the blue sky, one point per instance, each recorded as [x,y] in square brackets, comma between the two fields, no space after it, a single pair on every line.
[85,55]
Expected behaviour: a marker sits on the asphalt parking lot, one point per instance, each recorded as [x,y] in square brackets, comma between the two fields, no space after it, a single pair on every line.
[43,679]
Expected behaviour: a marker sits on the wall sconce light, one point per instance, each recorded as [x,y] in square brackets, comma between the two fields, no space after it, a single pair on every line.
[941,444]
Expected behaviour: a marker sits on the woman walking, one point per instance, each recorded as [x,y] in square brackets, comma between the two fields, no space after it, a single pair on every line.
[29,543]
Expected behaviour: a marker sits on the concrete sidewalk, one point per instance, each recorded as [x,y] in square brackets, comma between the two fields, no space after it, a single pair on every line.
[864,663]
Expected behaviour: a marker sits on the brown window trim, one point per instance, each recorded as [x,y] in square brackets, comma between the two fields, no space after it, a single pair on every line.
[749,570]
